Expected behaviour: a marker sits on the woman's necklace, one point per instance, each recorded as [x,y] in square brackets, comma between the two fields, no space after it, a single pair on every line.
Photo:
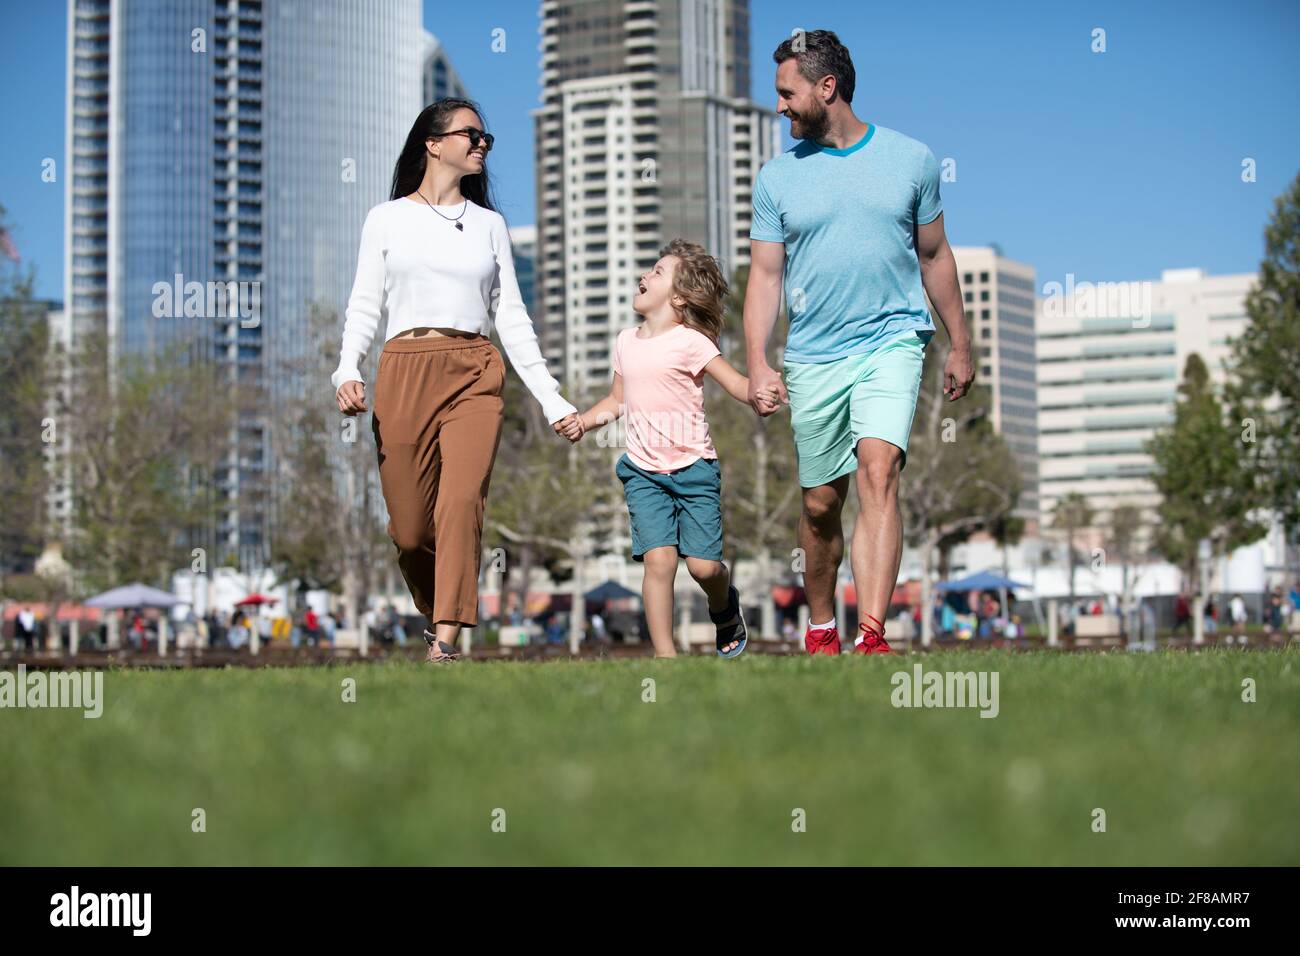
[456,222]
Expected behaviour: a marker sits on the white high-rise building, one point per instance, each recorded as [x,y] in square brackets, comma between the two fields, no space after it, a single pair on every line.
[1110,357]
[645,134]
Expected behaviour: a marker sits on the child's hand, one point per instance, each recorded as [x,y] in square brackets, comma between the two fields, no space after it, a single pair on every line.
[771,396]
[575,429]
[570,426]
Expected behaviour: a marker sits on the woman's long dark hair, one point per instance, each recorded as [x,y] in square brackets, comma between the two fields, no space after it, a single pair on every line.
[408,174]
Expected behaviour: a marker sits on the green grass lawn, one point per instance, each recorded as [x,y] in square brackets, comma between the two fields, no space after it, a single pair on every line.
[711,772]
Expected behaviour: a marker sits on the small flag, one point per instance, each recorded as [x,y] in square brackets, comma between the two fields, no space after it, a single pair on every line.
[7,246]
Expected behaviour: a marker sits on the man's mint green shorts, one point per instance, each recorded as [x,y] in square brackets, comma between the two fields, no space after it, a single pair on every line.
[834,405]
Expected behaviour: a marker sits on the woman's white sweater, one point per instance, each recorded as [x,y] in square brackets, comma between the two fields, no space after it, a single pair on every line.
[417,269]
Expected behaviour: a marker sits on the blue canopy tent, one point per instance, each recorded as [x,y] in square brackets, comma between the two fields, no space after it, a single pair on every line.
[986,581]
[132,595]
[980,581]
[609,591]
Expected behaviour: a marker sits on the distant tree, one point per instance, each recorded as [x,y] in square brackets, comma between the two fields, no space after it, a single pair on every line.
[541,510]
[1127,538]
[1071,516]
[1203,472]
[327,532]
[24,390]
[1264,386]
[138,439]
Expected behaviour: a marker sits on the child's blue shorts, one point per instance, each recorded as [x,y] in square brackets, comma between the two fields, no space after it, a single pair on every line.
[682,508]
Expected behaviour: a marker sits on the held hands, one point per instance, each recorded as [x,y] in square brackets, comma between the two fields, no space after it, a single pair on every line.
[571,427]
[772,398]
[351,397]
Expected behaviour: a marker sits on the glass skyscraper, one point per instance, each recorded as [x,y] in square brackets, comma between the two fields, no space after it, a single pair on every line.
[231,141]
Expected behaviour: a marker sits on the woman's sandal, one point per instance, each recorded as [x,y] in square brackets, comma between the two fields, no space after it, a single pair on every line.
[731,625]
[439,651]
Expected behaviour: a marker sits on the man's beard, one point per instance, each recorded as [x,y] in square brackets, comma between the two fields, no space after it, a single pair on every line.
[812,126]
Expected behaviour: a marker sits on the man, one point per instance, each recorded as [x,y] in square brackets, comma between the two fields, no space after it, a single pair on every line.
[392,626]
[851,220]
[1182,613]
[1237,614]
[1147,614]
[25,629]
[1274,614]
[311,626]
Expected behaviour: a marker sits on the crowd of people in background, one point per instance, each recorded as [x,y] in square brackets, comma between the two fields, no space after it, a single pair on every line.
[1275,617]
[955,616]
[139,629]
[971,615]
[962,616]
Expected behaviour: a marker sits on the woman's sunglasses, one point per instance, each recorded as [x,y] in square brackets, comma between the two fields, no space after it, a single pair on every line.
[475,135]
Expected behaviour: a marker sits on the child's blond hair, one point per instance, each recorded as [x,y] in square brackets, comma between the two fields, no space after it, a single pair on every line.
[698,279]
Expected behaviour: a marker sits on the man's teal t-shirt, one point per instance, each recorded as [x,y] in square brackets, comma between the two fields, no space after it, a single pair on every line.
[847,218]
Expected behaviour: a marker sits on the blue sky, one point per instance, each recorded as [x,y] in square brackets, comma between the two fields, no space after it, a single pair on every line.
[1108,165]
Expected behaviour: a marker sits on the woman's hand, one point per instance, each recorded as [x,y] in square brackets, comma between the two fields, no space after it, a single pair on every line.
[351,397]
[570,426]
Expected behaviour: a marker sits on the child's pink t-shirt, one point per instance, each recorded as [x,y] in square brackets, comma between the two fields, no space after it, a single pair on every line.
[663,396]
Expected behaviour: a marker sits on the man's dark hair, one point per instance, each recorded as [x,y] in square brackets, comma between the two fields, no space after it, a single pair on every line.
[822,54]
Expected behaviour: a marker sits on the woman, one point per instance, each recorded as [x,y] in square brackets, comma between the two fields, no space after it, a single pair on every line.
[436,260]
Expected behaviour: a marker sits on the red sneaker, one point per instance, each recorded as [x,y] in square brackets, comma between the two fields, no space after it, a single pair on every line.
[873,639]
[822,640]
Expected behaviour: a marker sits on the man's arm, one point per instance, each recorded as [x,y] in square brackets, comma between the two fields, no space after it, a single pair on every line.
[939,276]
[762,302]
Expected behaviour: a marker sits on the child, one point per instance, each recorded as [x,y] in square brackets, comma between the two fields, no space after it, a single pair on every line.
[670,472]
